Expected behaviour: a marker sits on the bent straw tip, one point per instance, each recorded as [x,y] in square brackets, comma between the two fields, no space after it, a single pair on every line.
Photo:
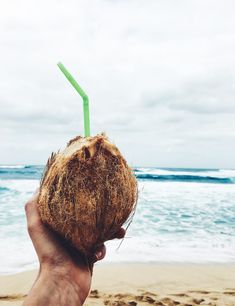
[82,93]
[61,66]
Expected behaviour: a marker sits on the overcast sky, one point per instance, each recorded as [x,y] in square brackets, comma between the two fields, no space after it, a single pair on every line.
[160,76]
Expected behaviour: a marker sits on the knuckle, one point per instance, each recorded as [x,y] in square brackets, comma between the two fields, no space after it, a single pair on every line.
[34,226]
[27,206]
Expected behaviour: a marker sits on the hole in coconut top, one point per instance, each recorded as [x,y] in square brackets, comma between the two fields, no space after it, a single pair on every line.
[87,153]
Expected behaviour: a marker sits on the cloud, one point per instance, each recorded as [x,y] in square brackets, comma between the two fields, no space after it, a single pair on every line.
[159,74]
[204,97]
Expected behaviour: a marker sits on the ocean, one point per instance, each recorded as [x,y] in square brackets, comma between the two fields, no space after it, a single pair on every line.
[182,216]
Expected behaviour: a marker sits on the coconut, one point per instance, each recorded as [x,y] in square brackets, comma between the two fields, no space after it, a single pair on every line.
[87,192]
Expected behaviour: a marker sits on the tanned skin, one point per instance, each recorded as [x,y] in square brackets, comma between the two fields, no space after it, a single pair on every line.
[64,276]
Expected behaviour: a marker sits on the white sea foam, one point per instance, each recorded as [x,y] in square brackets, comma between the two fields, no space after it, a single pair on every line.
[22,186]
[147,250]
[12,166]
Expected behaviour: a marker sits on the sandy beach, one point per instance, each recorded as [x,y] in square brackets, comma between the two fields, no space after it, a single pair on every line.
[143,284]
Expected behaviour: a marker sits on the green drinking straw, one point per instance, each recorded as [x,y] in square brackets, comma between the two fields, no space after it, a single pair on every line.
[84,96]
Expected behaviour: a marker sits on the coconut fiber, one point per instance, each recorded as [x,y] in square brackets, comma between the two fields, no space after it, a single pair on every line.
[87,192]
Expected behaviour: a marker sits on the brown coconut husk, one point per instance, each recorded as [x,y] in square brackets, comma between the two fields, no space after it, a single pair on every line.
[87,192]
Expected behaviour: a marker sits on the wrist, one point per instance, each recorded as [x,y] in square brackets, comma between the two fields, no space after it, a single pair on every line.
[64,284]
[56,286]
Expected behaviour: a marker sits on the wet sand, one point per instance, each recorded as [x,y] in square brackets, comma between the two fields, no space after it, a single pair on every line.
[143,284]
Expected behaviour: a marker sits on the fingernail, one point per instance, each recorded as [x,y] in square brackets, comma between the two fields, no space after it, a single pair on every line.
[98,255]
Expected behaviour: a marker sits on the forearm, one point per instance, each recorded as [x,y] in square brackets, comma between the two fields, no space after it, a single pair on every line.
[54,289]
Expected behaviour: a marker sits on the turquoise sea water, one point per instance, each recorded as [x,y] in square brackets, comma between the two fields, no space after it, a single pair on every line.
[183,215]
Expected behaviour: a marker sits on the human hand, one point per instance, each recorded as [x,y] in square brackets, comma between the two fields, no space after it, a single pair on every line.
[65,275]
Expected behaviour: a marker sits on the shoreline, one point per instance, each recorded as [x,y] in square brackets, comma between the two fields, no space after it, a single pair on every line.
[143,284]
[134,263]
